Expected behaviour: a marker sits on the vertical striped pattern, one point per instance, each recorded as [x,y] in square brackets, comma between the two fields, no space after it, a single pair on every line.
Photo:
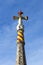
[20,37]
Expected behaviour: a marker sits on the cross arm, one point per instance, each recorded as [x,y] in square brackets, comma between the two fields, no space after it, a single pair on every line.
[25,18]
[15,17]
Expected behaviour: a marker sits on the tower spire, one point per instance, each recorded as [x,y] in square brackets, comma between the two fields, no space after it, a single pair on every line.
[20,59]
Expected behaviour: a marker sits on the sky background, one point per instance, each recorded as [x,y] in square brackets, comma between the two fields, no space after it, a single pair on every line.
[33,31]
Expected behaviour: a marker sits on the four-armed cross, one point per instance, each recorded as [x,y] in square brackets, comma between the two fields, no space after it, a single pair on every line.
[20,18]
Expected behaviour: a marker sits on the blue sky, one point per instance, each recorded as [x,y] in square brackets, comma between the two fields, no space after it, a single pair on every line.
[33,31]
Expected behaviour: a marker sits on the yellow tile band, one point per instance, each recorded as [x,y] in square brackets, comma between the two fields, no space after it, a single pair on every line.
[20,34]
[21,39]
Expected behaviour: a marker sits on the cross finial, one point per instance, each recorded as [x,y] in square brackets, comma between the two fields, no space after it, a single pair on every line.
[20,18]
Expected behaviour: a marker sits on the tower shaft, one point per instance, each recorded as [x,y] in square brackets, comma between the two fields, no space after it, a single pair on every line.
[20,59]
